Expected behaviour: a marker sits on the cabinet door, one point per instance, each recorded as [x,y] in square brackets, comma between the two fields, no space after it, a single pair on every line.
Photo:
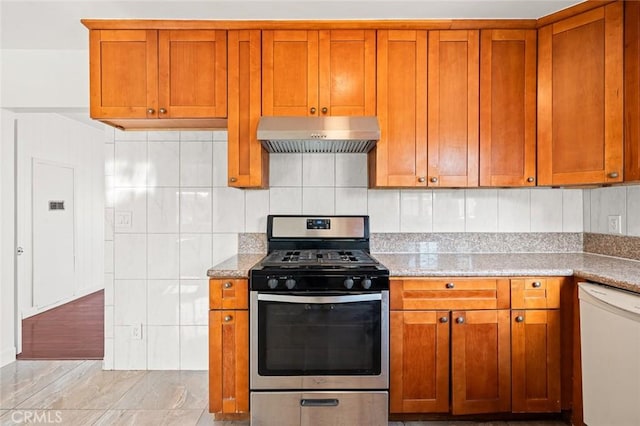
[248,161]
[453,76]
[124,73]
[419,362]
[632,90]
[480,362]
[508,108]
[229,361]
[289,73]
[347,72]
[226,293]
[400,156]
[535,360]
[192,73]
[580,98]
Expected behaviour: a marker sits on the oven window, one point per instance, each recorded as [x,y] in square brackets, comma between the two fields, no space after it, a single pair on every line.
[319,339]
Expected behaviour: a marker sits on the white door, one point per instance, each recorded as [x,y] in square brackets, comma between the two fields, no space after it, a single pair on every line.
[53,233]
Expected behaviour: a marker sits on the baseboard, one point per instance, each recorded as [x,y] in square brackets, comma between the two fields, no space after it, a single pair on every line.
[7,356]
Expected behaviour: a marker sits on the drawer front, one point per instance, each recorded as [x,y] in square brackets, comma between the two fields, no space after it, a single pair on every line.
[228,293]
[535,293]
[449,293]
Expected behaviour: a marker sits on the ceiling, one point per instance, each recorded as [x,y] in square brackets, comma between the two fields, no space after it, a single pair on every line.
[50,24]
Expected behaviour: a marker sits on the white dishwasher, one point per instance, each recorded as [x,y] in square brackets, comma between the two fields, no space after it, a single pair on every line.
[610,341]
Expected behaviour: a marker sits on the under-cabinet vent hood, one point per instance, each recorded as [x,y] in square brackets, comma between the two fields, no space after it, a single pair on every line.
[318,134]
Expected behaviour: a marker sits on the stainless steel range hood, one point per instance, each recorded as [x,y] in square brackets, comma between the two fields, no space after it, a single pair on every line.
[318,134]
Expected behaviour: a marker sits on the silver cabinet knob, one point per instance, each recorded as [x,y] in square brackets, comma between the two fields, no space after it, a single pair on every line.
[519,318]
[613,175]
[313,110]
[530,179]
[434,179]
[536,284]
[150,111]
[460,320]
[444,319]
[228,285]
[228,318]
[162,111]
[421,179]
[232,179]
[19,251]
[449,285]
[324,110]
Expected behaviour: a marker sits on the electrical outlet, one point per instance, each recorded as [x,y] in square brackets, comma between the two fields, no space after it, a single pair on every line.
[614,224]
[136,332]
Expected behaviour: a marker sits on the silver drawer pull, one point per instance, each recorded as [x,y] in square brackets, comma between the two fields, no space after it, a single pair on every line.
[460,320]
[228,285]
[519,318]
[228,318]
[444,320]
[536,284]
[323,402]
[449,285]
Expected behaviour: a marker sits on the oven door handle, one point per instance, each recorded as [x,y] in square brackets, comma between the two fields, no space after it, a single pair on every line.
[320,299]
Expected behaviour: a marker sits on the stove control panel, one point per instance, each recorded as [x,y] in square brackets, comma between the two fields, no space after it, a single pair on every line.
[310,282]
[318,223]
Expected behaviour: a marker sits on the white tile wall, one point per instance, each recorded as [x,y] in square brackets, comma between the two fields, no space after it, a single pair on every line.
[185,219]
[623,201]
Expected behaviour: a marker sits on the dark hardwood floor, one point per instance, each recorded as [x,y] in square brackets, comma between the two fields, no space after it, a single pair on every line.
[74,330]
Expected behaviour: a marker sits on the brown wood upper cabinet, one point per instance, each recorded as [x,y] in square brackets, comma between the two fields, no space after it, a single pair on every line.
[508,108]
[632,90]
[580,73]
[428,98]
[248,161]
[158,74]
[453,92]
[325,72]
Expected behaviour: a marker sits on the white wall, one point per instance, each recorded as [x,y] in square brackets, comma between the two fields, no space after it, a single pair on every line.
[184,219]
[7,245]
[623,201]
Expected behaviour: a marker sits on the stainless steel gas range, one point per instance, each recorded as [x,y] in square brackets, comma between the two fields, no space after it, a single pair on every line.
[319,334]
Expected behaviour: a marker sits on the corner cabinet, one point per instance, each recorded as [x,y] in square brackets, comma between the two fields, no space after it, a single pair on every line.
[248,161]
[580,98]
[508,108]
[325,72]
[632,90]
[228,347]
[158,74]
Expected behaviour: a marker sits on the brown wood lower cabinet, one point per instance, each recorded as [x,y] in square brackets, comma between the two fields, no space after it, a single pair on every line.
[535,360]
[458,347]
[228,347]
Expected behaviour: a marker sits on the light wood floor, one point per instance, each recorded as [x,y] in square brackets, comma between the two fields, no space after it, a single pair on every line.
[81,393]
[74,330]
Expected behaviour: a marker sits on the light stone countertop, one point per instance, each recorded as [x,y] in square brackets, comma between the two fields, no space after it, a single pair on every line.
[613,271]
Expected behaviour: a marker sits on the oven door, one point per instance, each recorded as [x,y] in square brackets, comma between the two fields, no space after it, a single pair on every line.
[318,341]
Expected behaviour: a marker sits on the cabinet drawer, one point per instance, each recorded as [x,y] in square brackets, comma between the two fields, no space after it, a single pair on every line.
[535,293]
[228,293]
[449,293]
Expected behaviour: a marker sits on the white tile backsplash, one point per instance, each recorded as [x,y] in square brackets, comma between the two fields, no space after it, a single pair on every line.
[164,164]
[318,170]
[195,210]
[196,164]
[633,211]
[607,202]
[416,211]
[163,256]
[481,210]
[546,210]
[163,298]
[514,210]
[191,220]
[317,200]
[448,210]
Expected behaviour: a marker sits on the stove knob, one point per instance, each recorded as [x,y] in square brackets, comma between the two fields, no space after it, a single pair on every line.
[290,283]
[272,283]
[348,283]
[366,283]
